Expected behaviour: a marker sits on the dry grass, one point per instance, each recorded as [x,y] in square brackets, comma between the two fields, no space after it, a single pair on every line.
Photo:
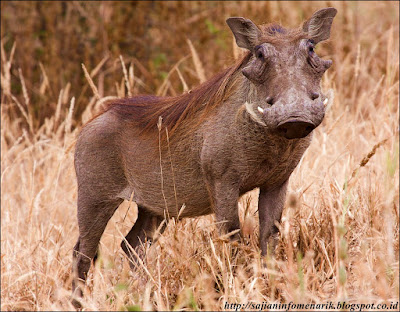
[339,236]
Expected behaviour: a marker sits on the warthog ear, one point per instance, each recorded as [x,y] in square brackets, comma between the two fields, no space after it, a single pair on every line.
[245,31]
[319,25]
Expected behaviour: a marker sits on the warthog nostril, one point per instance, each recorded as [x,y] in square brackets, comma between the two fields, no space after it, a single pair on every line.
[309,129]
[295,129]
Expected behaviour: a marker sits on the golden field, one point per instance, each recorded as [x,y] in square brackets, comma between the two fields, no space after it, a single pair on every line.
[339,238]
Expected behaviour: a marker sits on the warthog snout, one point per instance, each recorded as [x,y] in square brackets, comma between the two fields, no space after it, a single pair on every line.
[294,129]
[293,121]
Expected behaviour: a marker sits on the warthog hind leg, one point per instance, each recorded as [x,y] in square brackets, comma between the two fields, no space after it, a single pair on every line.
[142,231]
[92,220]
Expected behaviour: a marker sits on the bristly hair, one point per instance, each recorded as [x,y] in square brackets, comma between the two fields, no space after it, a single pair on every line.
[190,108]
[272,29]
[274,33]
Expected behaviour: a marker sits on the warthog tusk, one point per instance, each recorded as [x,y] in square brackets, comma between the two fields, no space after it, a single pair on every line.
[260,110]
[254,116]
[325,101]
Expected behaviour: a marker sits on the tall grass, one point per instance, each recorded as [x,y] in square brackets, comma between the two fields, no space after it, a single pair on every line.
[339,237]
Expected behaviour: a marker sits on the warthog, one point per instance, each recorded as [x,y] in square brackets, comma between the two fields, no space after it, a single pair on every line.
[245,128]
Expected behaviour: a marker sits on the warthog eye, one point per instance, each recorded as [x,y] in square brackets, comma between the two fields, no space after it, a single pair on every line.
[310,46]
[259,52]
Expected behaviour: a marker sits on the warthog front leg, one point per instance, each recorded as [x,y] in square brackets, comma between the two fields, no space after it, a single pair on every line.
[270,207]
[225,204]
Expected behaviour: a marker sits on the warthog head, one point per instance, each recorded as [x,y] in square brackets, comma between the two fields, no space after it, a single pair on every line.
[285,72]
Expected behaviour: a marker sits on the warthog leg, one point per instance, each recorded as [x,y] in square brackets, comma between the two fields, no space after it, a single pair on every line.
[142,231]
[270,207]
[92,220]
[225,201]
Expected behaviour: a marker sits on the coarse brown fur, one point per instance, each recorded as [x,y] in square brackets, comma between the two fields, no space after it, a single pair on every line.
[190,108]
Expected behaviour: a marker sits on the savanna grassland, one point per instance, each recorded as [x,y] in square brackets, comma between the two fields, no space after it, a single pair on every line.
[339,238]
